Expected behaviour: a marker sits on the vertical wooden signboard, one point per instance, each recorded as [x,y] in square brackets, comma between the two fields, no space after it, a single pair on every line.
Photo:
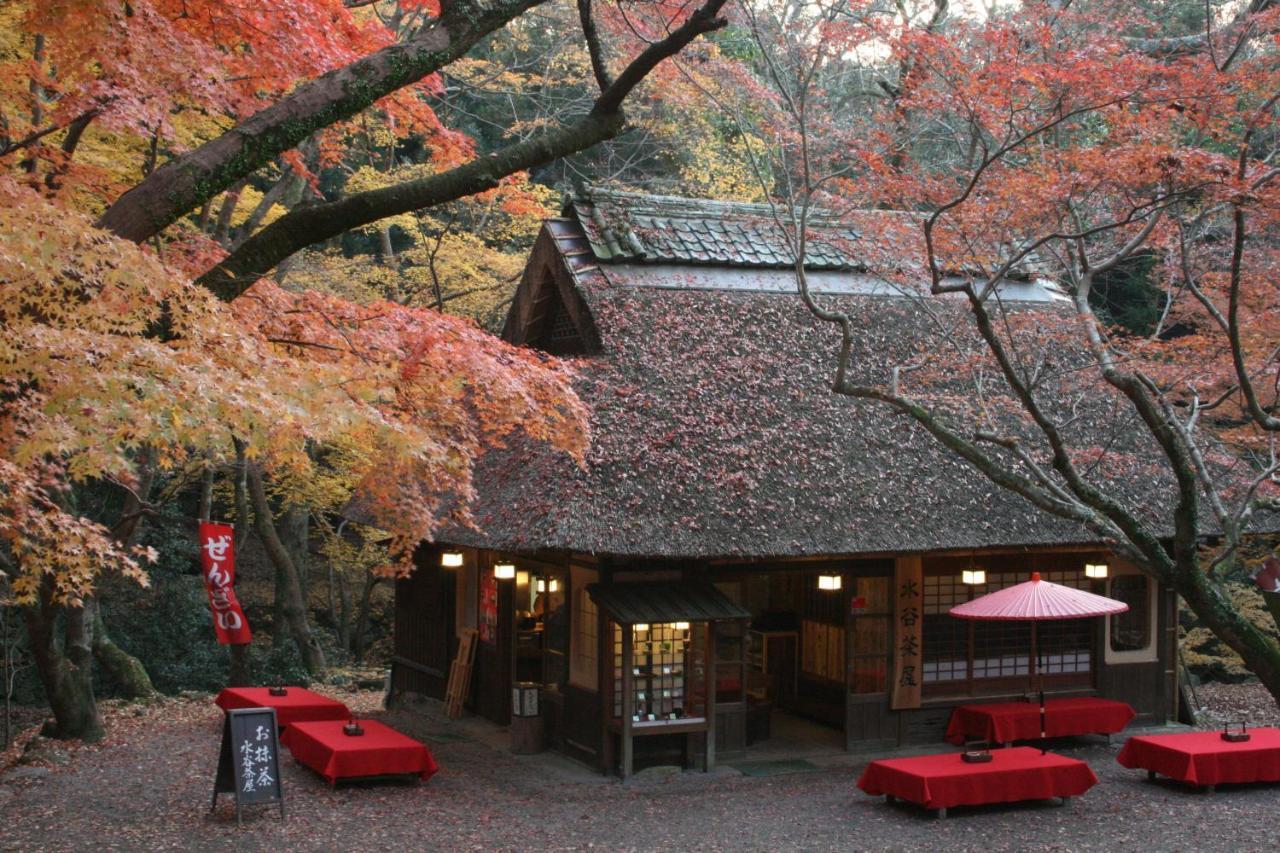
[488,606]
[249,764]
[908,617]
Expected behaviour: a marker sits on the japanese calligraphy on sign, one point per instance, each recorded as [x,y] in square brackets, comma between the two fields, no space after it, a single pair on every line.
[218,566]
[249,764]
[908,616]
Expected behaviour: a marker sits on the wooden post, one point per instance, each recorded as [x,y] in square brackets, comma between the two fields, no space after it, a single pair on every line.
[908,614]
[710,658]
[628,698]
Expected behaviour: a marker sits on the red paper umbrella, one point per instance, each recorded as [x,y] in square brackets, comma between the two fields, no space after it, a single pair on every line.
[1037,600]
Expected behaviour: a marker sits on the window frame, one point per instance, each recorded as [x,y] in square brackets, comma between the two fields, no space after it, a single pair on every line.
[584,636]
[974,685]
[1150,654]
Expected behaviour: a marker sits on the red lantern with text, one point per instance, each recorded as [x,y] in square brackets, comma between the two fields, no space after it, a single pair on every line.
[218,566]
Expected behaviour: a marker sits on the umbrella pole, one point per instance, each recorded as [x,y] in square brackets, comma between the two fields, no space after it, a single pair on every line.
[1037,671]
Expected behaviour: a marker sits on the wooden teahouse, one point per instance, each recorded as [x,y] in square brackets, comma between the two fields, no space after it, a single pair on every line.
[746,558]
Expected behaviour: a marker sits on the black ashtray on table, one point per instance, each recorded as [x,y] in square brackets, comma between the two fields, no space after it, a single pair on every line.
[1236,737]
[353,729]
[973,755]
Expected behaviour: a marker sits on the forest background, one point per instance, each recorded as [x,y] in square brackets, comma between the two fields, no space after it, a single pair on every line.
[100,101]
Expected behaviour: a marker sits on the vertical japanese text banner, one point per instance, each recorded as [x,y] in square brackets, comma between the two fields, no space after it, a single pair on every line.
[908,616]
[218,566]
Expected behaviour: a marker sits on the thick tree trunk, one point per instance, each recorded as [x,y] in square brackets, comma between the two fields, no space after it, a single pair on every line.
[129,673]
[186,182]
[240,674]
[296,230]
[295,532]
[294,611]
[66,673]
[304,227]
[1260,653]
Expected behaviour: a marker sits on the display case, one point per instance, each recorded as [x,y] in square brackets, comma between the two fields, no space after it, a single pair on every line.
[666,674]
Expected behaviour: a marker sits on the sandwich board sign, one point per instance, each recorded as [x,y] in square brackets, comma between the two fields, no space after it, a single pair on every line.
[249,763]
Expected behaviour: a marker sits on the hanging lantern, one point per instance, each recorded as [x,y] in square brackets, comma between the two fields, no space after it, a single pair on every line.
[830,583]
[504,571]
[553,585]
[541,585]
[451,559]
[973,577]
[1097,571]
[682,626]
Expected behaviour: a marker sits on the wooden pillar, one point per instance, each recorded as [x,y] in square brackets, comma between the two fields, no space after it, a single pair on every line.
[908,615]
[628,699]
[709,760]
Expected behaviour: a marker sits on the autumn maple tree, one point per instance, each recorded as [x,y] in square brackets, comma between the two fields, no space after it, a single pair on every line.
[1079,143]
[157,159]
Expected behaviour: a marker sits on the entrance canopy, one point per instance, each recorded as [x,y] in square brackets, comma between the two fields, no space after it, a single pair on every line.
[664,601]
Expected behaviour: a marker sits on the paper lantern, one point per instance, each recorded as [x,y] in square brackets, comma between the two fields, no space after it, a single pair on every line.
[504,571]
[973,577]
[1097,571]
[829,583]
[451,559]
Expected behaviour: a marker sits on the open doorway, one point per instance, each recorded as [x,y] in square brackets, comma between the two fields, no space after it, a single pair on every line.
[794,701]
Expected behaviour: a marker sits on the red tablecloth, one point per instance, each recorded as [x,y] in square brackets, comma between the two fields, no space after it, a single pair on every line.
[297,705]
[943,781]
[380,751]
[1005,722]
[1204,758]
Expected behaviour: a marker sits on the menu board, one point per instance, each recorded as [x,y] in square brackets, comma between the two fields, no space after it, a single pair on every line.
[249,763]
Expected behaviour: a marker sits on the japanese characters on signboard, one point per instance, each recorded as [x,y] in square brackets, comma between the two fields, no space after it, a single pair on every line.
[249,760]
[218,567]
[908,614]
[257,763]
[488,606]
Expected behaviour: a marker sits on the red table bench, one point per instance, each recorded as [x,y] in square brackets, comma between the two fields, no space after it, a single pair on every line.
[1204,758]
[1005,722]
[942,781]
[380,751]
[298,705]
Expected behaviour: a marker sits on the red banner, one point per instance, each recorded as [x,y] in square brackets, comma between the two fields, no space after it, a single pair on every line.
[218,565]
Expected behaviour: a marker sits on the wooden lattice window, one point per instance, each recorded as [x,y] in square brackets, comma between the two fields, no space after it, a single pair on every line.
[554,330]
[959,650]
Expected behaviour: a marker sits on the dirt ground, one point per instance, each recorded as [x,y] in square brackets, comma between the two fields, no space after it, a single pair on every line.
[147,787]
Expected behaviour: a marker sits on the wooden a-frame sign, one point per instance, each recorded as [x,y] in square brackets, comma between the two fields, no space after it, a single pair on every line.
[249,762]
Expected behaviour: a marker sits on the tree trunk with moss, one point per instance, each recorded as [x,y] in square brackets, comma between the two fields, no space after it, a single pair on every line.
[130,675]
[294,605]
[66,670]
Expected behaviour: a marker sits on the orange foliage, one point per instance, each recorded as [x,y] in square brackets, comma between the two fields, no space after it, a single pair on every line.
[106,353]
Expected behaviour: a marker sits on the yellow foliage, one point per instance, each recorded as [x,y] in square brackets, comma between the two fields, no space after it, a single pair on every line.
[325,394]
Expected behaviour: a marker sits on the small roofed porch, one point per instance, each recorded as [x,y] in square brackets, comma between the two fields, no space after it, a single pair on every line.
[665,679]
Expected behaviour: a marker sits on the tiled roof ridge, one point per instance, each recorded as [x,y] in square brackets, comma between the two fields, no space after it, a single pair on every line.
[692,208]
[631,227]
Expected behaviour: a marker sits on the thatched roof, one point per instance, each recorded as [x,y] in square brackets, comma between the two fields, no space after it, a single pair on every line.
[715,430]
